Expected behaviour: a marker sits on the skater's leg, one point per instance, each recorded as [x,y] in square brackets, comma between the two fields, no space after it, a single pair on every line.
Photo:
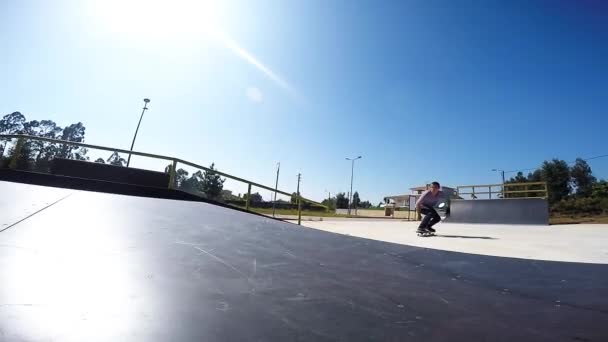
[426,219]
[431,217]
[435,218]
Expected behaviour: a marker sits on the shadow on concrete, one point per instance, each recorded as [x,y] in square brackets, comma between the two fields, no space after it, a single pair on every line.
[467,237]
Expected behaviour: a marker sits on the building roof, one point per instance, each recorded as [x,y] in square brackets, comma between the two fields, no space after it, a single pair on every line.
[401,196]
[424,187]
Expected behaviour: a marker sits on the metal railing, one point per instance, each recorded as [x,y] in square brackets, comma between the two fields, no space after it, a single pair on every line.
[505,191]
[174,162]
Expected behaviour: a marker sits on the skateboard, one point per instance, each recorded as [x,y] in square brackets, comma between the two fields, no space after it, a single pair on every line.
[425,234]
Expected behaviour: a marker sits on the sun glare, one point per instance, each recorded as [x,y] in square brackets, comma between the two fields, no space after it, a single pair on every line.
[177,20]
[159,19]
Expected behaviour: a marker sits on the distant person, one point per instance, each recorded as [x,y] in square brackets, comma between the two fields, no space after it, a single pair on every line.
[425,205]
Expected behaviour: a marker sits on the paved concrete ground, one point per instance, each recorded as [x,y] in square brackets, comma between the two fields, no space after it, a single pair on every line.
[402,214]
[576,243]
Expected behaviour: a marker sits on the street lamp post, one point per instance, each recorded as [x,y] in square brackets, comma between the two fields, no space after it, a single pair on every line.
[137,129]
[276,187]
[352,171]
[502,172]
[328,199]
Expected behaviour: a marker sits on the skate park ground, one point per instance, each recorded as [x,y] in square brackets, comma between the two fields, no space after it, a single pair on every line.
[574,242]
[88,266]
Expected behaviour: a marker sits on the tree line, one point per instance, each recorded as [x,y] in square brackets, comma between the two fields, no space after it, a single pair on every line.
[571,189]
[341,201]
[206,183]
[37,154]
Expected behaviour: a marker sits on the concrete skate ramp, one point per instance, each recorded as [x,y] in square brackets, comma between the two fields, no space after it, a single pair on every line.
[110,173]
[84,266]
[532,211]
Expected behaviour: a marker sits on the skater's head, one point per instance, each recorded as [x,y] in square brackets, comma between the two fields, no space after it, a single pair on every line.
[435,187]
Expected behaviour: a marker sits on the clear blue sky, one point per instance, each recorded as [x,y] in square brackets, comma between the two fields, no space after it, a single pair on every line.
[423,90]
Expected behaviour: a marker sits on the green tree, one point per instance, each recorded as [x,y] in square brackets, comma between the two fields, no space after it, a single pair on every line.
[227,195]
[356,200]
[24,160]
[28,147]
[49,129]
[582,178]
[212,183]
[341,201]
[365,205]
[192,184]
[74,133]
[32,152]
[255,198]
[116,160]
[330,203]
[557,175]
[180,177]
[37,154]
[600,189]
[519,178]
[10,124]
[46,151]
[294,198]
[535,177]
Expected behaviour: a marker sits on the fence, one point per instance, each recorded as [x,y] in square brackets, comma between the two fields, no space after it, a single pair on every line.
[169,164]
[507,190]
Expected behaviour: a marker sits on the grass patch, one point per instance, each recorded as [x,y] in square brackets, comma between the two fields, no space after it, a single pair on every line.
[574,219]
[294,212]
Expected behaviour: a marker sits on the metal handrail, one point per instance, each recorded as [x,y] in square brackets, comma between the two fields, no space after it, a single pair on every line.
[528,183]
[504,189]
[98,147]
[480,186]
[501,184]
[506,192]
[477,193]
[162,157]
[248,182]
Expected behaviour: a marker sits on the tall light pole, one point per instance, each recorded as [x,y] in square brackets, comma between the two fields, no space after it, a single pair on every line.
[276,187]
[137,129]
[503,180]
[328,199]
[299,200]
[352,172]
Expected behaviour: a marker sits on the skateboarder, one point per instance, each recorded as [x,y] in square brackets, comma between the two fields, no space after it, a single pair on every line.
[425,205]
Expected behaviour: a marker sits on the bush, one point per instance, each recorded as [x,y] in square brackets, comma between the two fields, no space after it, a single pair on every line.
[4,161]
[279,205]
[580,206]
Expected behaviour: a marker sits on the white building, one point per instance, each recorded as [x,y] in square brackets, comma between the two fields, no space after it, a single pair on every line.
[409,200]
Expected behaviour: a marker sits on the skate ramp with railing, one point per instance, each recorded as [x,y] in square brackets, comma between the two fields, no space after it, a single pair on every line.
[509,204]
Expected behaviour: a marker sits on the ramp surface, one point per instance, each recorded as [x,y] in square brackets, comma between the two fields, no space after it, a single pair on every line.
[522,211]
[19,201]
[101,267]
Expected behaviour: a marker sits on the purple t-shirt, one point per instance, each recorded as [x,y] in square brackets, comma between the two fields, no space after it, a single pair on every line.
[427,199]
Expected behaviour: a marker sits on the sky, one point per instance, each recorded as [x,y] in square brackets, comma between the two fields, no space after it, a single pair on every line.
[422,90]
